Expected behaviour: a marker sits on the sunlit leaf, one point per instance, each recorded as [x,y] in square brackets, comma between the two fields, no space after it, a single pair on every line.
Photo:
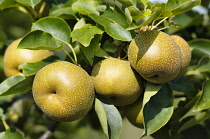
[112,28]
[204,101]
[16,84]
[31,3]
[85,34]
[128,3]
[102,116]
[135,13]
[85,7]
[11,133]
[178,7]
[57,27]
[195,120]
[38,39]
[157,107]
[91,50]
[7,4]
[66,13]
[31,68]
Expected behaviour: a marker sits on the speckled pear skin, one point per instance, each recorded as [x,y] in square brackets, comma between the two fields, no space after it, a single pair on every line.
[14,57]
[63,91]
[155,56]
[134,113]
[186,53]
[116,82]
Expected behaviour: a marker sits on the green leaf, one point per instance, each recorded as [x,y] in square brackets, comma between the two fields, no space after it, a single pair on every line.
[85,34]
[29,69]
[102,53]
[85,7]
[157,107]
[7,4]
[56,26]
[66,13]
[204,101]
[102,116]
[31,3]
[117,16]
[37,40]
[135,13]
[11,133]
[204,64]
[183,85]
[143,3]
[195,120]
[91,50]
[200,45]
[128,3]
[181,6]
[112,28]
[2,116]
[16,84]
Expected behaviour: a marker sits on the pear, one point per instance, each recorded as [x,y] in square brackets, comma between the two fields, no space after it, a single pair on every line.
[155,56]
[185,51]
[14,57]
[63,91]
[134,113]
[116,82]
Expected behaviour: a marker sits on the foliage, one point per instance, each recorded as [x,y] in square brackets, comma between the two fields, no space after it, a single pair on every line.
[86,31]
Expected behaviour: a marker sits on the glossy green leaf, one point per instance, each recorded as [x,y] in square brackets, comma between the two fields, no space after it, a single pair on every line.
[31,3]
[128,3]
[114,120]
[117,16]
[102,53]
[57,27]
[183,85]
[85,34]
[200,45]
[143,3]
[102,116]
[178,7]
[29,69]
[38,39]
[195,120]
[204,64]
[112,28]
[7,4]
[85,7]
[16,84]
[66,13]
[11,133]
[204,101]
[135,13]
[157,107]
[91,50]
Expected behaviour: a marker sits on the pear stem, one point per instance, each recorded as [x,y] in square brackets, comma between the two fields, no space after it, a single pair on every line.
[159,23]
[5,124]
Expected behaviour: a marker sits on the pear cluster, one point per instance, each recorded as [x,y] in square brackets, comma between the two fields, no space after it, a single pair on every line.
[65,92]
[159,57]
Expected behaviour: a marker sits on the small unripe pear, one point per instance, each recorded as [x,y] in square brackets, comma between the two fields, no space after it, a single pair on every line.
[186,53]
[155,56]
[134,113]
[116,82]
[63,91]
[14,57]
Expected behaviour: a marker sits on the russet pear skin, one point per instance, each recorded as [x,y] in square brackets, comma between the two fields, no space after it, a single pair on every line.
[14,57]
[116,81]
[155,56]
[63,91]
[186,53]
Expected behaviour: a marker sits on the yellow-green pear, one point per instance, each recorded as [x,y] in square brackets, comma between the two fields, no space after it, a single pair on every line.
[186,53]
[14,57]
[116,82]
[134,113]
[155,56]
[63,91]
